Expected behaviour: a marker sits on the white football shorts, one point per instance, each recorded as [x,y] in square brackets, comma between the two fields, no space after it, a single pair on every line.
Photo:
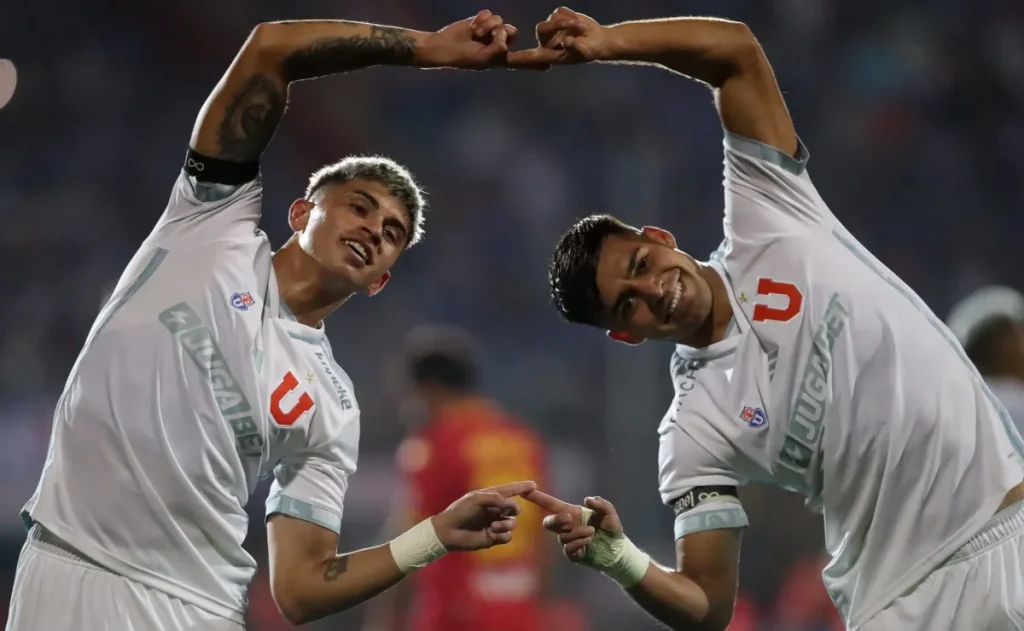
[980,588]
[57,589]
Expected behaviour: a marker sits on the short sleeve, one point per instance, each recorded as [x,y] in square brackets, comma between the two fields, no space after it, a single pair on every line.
[690,471]
[202,211]
[311,484]
[769,193]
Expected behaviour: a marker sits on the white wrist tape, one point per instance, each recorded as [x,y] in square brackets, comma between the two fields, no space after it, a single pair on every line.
[417,547]
[615,556]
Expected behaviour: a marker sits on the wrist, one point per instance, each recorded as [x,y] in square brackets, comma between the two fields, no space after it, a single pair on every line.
[616,43]
[630,566]
[417,547]
[430,53]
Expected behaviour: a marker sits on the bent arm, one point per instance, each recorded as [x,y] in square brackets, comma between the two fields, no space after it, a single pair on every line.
[241,114]
[724,55]
[309,580]
[699,595]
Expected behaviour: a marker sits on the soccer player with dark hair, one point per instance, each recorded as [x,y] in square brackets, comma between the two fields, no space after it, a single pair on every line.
[801,361]
[209,367]
[463,440]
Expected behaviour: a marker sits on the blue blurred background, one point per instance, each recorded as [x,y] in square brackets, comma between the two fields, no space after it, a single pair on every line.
[912,112]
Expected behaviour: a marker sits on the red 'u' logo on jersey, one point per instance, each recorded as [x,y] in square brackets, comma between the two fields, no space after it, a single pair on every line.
[304,404]
[770,287]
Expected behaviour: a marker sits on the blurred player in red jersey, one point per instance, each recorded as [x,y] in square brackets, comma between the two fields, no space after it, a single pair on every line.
[466,441]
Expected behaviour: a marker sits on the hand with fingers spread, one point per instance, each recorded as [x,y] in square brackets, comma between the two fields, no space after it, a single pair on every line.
[481,519]
[566,37]
[473,44]
[592,535]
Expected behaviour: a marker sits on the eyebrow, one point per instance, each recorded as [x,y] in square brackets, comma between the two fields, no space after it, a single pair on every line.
[630,271]
[370,198]
[390,221]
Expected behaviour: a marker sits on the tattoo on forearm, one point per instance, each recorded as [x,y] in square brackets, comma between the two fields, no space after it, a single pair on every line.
[384,45]
[336,568]
[251,118]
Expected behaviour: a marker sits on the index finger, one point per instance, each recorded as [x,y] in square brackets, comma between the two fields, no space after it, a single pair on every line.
[513,489]
[549,503]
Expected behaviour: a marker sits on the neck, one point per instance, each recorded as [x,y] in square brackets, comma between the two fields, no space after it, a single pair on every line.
[308,294]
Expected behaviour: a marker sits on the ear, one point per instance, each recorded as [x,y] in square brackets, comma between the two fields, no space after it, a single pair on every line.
[660,235]
[625,338]
[378,284]
[298,214]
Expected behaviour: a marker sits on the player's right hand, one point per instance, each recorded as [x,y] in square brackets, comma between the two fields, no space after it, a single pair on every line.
[566,37]
[475,43]
[481,519]
[576,525]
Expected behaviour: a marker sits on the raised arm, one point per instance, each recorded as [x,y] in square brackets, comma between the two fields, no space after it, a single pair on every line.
[697,596]
[241,114]
[720,53]
[310,580]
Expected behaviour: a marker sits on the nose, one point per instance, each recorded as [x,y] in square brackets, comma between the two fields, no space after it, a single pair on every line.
[374,231]
[651,287]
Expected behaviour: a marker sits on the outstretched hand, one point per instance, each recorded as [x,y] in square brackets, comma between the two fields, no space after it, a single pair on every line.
[566,37]
[475,43]
[481,519]
[576,525]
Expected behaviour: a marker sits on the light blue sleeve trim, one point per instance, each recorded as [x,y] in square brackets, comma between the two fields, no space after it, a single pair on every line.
[730,516]
[760,151]
[305,511]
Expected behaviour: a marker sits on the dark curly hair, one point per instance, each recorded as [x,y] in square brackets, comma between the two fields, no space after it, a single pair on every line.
[573,270]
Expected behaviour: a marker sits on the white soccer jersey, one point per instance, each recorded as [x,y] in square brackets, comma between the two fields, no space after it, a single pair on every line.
[194,381]
[839,383]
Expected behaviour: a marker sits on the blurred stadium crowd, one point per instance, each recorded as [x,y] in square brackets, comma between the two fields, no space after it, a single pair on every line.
[913,113]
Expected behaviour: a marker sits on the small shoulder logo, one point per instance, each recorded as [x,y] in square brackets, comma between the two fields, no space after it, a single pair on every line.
[753,417]
[242,302]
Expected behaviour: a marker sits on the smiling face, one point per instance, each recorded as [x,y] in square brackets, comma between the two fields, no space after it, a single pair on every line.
[354,230]
[649,290]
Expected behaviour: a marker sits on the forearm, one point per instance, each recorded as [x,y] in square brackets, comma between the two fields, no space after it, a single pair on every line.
[675,600]
[339,583]
[308,49]
[238,120]
[706,49]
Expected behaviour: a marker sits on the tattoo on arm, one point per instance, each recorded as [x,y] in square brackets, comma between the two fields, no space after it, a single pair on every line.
[384,45]
[336,568]
[253,112]
[251,118]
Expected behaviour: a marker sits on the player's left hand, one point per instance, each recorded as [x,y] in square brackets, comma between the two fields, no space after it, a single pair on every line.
[576,525]
[481,519]
[475,43]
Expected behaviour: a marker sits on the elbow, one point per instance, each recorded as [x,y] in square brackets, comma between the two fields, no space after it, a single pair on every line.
[291,608]
[263,46]
[746,51]
[740,53]
[291,604]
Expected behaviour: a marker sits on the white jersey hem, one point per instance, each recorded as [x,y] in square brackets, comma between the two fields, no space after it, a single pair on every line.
[921,571]
[112,564]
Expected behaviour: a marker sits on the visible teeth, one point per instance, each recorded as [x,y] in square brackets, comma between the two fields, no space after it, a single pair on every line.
[676,295]
[360,249]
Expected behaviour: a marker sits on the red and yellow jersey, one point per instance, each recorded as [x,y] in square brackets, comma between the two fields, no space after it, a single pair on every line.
[470,446]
